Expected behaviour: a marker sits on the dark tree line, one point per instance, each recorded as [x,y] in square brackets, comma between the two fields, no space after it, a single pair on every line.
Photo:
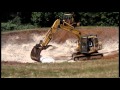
[46,19]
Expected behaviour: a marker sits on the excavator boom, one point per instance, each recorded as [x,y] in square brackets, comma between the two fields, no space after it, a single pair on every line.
[50,33]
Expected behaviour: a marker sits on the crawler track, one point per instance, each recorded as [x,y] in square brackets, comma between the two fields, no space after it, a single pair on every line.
[77,57]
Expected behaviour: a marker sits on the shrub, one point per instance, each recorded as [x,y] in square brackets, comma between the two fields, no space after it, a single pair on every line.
[10,26]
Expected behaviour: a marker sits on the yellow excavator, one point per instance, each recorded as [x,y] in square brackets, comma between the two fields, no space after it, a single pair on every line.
[87,46]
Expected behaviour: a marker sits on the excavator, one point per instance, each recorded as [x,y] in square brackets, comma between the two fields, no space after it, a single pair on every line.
[87,46]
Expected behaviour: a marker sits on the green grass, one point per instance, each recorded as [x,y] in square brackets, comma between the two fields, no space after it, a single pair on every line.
[83,69]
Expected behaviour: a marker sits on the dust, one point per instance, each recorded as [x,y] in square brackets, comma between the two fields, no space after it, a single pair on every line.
[61,50]
[21,52]
[11,50]
[15,52]
[110,45]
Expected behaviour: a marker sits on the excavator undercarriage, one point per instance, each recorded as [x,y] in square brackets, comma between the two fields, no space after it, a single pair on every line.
[80,56]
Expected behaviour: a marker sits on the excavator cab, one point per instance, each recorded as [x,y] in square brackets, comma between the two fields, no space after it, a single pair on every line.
[70,20]
[89,44]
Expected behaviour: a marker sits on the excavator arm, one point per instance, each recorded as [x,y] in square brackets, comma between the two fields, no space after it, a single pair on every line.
[43,44]
[35,53]
[50,33]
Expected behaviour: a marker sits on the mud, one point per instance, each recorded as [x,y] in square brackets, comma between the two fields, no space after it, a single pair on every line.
[16,46]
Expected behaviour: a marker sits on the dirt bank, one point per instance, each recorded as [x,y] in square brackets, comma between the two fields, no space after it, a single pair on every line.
[16,46]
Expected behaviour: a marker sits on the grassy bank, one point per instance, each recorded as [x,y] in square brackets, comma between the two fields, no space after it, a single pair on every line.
[104,68]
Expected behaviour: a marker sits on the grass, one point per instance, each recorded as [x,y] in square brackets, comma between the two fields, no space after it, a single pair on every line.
[103,68]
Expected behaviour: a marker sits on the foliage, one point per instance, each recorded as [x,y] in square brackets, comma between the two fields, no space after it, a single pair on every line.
[85,18]
[11,20]
[10,26]
[16,20]
[99,18]
[44,19]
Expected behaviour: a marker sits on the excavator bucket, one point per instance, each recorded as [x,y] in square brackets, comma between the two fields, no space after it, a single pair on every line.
[35,53]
